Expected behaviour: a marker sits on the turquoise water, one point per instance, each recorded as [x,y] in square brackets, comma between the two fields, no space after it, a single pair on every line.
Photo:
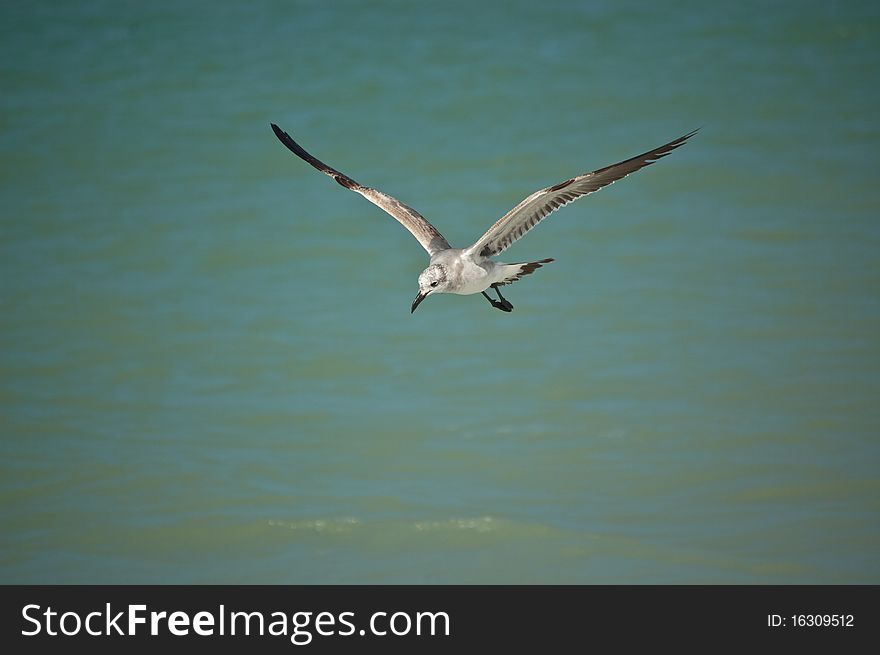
[209,371]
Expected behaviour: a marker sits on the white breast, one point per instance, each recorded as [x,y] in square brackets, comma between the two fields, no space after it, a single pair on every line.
[474,278]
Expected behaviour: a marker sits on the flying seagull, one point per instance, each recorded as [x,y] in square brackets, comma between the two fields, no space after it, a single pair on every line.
[465,271]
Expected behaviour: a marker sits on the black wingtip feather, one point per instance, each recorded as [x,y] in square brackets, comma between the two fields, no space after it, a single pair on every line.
[281,134]
[291,145]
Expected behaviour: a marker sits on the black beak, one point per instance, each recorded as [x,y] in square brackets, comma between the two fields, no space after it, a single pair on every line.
[419,298]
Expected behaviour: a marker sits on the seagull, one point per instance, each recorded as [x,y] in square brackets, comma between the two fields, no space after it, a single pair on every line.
[471,270]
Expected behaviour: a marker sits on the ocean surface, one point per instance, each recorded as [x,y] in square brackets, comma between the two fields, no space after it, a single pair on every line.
[208,368]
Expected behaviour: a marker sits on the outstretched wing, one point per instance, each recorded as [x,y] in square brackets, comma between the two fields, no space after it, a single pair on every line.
[531,211]
[425,233]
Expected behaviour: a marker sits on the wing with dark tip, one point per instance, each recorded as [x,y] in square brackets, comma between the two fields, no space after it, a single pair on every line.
[541,204]
[425,233]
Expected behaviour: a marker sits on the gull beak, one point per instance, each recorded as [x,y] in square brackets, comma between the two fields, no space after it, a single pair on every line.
[419,298]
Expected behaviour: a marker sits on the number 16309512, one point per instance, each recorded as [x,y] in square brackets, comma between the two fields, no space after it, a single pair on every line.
[811,621]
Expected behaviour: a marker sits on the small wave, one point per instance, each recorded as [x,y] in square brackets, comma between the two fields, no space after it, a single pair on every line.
[480,524]
[345,524]
[348,524]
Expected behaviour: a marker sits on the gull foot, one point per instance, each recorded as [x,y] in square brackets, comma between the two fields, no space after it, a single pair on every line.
[504,304]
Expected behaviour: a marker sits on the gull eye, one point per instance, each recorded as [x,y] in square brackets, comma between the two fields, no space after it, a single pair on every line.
[433,284]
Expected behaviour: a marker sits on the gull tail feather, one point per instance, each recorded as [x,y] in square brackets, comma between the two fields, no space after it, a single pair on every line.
[514,272]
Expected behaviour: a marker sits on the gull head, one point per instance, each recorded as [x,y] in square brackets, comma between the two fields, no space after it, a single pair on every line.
[432,280]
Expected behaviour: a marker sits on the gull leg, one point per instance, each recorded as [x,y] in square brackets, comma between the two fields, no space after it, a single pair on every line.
[505,303]
[497,305]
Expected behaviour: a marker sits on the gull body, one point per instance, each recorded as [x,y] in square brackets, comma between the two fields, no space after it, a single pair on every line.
[463,273]
[471,270]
